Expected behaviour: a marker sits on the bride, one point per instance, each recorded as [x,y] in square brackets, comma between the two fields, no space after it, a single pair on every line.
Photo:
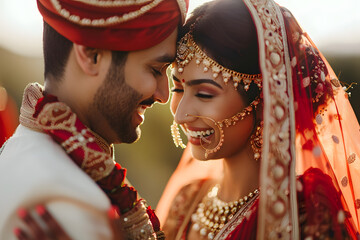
[254,94]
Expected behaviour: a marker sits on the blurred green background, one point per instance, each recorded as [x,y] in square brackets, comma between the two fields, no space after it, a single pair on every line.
[152,159]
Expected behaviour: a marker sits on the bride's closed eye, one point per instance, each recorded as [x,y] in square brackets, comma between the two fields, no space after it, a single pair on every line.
[204,94]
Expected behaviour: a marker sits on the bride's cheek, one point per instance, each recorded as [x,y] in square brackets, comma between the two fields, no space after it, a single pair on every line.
[174,103]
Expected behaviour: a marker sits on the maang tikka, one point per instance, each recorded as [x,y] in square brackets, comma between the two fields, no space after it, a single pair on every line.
[188,50]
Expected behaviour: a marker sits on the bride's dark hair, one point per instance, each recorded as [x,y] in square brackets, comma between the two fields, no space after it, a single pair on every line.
[226,32]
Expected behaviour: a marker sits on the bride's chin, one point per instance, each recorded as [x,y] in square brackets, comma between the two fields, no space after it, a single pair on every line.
[198,152]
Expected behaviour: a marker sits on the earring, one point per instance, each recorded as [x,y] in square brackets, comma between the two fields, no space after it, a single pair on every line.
[257,141]
[176,135]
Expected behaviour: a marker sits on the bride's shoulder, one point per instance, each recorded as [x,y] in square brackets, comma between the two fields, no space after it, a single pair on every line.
[189,192]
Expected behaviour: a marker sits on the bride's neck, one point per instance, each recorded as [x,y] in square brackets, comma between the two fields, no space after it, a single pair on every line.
[241,175]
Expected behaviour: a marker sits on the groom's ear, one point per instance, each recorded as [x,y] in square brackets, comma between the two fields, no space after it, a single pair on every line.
[88,59]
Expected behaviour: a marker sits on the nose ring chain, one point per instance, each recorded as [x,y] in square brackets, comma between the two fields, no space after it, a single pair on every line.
[220,124]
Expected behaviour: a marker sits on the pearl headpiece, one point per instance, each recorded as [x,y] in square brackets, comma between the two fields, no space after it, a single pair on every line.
[188,50]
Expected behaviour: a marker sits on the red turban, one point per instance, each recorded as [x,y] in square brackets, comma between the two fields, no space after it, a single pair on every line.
[121,25]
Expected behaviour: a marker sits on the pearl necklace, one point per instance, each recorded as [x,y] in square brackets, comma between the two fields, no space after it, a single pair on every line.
[212,213]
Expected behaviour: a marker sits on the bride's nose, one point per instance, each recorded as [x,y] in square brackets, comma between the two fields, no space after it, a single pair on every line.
[185,111]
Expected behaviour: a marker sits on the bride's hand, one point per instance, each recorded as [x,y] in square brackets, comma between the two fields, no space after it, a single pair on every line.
[34,228]
[50,229]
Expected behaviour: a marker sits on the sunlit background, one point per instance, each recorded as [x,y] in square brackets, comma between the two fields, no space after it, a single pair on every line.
[333,25]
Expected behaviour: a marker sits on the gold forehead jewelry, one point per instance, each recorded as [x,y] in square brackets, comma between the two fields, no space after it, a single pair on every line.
[188,50]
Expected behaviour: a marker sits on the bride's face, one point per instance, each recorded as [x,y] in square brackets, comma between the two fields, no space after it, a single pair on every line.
[198,93]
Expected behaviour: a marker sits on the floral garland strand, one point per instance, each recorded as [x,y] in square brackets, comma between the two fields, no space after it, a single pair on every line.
[78,142]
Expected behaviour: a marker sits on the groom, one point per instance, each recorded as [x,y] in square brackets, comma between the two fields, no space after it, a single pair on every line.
[105,64]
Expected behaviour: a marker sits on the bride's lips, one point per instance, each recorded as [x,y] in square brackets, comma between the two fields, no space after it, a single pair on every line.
[195,135]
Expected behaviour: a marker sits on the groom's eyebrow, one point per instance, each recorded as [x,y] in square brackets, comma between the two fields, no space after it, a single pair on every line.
[166,58]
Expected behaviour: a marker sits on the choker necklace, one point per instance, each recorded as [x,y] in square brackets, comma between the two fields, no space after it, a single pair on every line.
[212,213]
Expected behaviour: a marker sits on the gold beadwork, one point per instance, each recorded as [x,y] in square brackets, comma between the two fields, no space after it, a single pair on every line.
[221,140]
[223,123]
[176,135]
[188,50]
[212,213]
[240,115]
[101,22]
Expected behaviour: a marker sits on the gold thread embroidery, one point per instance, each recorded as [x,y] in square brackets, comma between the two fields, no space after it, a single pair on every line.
[101,22]
[277,153]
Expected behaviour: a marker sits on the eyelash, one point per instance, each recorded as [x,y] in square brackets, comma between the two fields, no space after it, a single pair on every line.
[199,95]
[156,72]
[206,96]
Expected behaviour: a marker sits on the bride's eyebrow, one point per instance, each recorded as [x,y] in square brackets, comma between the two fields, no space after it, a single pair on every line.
[199,81]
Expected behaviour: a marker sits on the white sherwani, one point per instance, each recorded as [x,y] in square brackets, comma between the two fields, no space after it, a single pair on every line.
[36,170]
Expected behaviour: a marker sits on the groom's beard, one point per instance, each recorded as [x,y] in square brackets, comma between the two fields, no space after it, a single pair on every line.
[118,102]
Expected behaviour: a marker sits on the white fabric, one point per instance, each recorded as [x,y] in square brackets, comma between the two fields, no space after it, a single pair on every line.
[36,170]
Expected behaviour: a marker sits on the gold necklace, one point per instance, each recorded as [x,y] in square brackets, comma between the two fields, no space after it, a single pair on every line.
[212,213]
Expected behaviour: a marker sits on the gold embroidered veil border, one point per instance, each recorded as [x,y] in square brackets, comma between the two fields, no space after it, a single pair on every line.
[284,154]
[277,208]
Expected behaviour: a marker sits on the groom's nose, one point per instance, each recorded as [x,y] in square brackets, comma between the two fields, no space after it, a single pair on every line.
[161,94]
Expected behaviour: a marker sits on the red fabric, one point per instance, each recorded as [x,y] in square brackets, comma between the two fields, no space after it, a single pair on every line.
[321,199]
[42,102]
[324,119]
[140,33]
[8,120]
[247,228]
[311,79]
[319,195]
